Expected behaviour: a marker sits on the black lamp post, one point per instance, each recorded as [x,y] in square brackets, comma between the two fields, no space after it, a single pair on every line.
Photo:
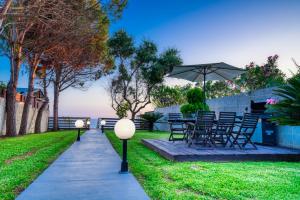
[79,124]
[124,129]
[124,164]
[88,124]
[102,123]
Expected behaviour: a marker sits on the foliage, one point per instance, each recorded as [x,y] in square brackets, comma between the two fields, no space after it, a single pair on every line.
[297,74]
[219,89]
[195,95]
[163,95]
[287,110]
[22,159]
[195,101]
[139,70]
[164,179]
[55,34]
[2,85]
[151,118]
[257,77]
[121,110]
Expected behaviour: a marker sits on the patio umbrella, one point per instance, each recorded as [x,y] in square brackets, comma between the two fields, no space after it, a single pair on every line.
[206,72]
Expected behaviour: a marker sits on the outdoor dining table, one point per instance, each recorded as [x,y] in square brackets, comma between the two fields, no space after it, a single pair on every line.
[191,121]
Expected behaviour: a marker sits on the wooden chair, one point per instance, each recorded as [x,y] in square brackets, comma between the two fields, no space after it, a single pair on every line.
[224,127]
[202,130]
[177,128]
[246,130]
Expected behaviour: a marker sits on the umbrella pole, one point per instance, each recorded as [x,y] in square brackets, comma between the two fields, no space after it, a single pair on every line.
[204,86]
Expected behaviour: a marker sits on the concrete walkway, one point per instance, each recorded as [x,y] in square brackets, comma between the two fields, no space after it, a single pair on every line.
[87,170]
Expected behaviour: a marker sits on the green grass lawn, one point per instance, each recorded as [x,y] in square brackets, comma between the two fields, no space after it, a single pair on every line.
[163,179]
[22,159]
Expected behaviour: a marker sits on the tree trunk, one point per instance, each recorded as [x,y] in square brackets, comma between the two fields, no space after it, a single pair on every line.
[38,121]
[11,109]
[55,108]
[27,104]
[133,116]
[15,63]
[56,99]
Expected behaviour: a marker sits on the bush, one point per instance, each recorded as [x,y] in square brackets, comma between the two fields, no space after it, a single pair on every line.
[195,100]
[194,96]
[287,111]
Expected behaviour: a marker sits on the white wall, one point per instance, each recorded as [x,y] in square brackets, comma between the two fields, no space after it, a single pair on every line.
[288,136]
[31,118]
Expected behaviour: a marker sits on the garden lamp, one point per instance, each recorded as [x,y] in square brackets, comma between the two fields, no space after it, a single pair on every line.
[88,123]
[79,124]
[102,123]
[124,130]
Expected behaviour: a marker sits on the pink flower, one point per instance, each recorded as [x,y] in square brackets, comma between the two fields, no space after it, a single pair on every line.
[271,101]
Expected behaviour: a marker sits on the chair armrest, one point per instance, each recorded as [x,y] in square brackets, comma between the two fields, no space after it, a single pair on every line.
[190,124]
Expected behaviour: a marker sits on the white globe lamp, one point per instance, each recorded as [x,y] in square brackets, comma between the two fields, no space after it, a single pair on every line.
[79,124]
[124,129]
[88,123]
[102,123]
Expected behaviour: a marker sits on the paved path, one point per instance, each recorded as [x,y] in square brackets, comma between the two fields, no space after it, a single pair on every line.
[87,170]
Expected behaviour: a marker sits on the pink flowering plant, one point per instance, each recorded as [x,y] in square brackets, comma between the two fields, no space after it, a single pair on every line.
[269,105]
[271,101]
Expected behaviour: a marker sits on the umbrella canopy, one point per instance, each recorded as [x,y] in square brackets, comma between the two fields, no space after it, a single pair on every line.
[205,72]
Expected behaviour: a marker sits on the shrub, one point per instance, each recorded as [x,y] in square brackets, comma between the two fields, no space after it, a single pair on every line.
[195,95]
[195,100]
[287,111]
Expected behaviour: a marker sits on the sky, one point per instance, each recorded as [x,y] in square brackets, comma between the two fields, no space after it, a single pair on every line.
[233,31]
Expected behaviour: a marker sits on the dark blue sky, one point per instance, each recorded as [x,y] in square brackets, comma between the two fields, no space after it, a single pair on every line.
[233,31]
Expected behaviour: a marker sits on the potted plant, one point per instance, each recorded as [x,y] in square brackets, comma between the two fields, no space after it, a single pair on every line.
[151,118]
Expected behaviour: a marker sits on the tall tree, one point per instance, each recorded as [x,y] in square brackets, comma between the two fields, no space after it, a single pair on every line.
[140,69]
[257,77]
[44,77]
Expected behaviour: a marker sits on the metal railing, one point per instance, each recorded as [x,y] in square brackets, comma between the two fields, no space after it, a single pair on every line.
[66,122]
[140,124]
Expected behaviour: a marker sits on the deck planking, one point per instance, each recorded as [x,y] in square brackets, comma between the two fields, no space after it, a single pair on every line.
[179,151]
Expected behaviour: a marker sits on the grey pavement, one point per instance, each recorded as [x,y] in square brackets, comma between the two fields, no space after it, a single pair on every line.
[87,170]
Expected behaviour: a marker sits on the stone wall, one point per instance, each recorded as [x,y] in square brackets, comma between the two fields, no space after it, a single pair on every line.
[31,118]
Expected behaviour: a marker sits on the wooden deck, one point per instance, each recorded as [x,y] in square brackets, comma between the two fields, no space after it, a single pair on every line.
[178,151]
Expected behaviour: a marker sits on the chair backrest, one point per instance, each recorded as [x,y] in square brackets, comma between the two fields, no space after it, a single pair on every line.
[205,119]
[175,116]
[249,122]
[226,120]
